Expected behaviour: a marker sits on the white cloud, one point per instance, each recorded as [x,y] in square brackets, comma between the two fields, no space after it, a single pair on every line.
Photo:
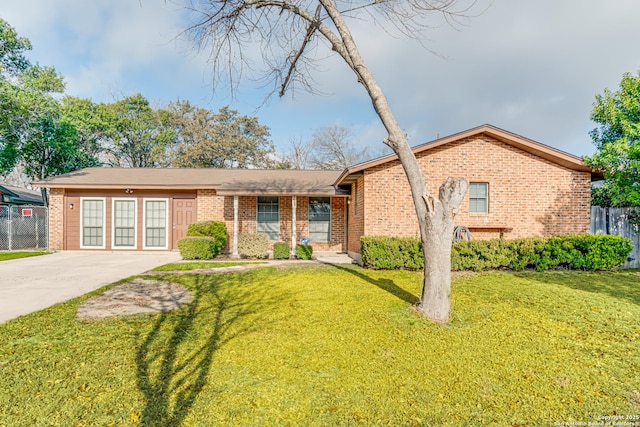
[532,68]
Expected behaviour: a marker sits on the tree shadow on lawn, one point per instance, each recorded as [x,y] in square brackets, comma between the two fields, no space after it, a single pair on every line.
[174,359]
[384,284]
[621,285]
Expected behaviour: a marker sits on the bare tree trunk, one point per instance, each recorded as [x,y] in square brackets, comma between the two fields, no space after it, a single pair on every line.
[436,216]
[436,245]
[231,22]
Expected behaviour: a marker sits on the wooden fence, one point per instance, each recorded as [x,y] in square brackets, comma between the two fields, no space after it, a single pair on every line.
[616,221]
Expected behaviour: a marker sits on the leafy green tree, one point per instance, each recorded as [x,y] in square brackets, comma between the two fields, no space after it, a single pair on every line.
[33,137]
[84,115]
[52,148]
[12,48]
[135,134]
[219,140]
[617,140]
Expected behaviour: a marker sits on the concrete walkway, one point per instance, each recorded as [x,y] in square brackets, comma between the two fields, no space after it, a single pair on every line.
[333,258]
[31,284]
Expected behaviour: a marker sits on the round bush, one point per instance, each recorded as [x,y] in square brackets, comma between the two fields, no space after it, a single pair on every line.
[253,245]
[199,247]
[214,229]
[304,251]
[281,250]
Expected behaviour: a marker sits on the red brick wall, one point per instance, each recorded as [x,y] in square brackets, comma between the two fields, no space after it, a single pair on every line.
[356,216]
[530,195]
[57,202]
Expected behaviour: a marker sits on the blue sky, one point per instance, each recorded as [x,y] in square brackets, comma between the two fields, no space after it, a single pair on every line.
[532,68]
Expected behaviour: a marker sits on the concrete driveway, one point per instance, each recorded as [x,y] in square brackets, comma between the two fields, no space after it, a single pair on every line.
[31,284]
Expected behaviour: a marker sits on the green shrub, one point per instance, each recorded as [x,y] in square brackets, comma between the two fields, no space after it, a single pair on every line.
[253,245]
[304,251]
[391,253]
[579,252]
[280,250]
[199,247]
[214,229]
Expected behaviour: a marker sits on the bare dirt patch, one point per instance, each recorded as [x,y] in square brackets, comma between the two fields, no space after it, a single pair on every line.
[135,297]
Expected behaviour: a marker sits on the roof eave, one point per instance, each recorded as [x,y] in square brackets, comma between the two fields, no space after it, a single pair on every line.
[537,148]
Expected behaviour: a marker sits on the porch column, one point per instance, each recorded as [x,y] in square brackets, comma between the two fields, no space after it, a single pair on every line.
[234,249]
[294,208]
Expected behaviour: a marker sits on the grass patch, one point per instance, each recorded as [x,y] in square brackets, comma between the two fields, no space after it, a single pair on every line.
[325,345]
[5,256]
[186,266]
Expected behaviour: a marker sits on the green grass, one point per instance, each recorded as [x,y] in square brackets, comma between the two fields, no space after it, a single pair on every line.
[186,266]
[5,256]
[322,345]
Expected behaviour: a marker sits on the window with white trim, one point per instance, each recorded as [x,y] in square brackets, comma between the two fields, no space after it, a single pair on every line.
[268,218]
[319,219]
[478,197]
[156,215]
[124,223]
[92,223]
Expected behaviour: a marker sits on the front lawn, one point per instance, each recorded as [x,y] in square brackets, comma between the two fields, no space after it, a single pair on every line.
[323,345]
[5,256]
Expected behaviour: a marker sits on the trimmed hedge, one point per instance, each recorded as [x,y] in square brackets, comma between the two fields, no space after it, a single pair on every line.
[280,250]
[391,253]
[576,252]
[253,245]
[214,229]
[197,247]
[304,251]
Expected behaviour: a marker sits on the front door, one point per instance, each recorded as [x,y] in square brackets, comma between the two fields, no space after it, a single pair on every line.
[184,213]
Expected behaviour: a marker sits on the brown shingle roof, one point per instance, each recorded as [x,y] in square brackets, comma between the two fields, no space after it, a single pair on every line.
[224,181]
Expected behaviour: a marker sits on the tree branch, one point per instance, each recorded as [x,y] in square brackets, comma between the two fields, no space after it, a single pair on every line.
[313,26]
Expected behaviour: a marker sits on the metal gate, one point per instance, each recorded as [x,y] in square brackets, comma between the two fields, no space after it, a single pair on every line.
[23,227]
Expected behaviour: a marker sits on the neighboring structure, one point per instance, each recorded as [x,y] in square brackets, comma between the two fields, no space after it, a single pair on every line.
[10,195]
[518,187]
[23,219]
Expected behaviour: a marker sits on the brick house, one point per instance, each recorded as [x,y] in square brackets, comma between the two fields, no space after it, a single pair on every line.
[518,188]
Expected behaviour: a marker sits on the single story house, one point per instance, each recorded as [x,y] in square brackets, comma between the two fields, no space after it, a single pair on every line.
[518,188]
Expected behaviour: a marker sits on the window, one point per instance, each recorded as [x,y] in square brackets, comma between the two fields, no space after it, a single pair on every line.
[319,219]
[124,223]
[155,223]
[478,197]
[92,223]
[269,217]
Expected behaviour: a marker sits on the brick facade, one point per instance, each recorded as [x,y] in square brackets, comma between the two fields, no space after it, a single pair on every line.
[56,219]
[533,190]
[528,195]
[212,207]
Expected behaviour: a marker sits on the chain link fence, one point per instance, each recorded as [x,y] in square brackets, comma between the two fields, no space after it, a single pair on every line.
[23,227]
